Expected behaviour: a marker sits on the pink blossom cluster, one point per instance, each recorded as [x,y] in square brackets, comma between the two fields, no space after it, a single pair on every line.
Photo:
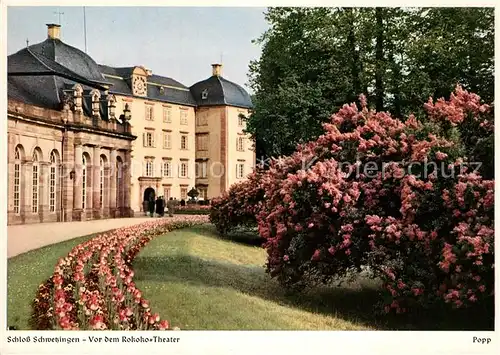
[93,285]
[238,205]
[455,110]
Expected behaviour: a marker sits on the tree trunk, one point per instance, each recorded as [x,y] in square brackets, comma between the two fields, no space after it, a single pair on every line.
[379,60]
[355,67]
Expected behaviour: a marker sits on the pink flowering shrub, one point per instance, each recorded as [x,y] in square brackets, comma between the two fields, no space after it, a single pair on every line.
[92,288]
[238,206]
[399,197]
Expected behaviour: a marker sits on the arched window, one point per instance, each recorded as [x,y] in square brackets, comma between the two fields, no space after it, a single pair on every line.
[17,181]
[52,182]
[84,182]
[101,182]
[36,183]
[119,188]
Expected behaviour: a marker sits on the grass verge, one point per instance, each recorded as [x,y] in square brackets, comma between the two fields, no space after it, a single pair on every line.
[25,272]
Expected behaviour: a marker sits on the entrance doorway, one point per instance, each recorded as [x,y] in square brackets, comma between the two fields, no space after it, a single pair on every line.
[149,194]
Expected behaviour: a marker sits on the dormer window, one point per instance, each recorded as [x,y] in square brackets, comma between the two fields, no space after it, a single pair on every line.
[204,94]
[77,94]
[111,107]
[96,96]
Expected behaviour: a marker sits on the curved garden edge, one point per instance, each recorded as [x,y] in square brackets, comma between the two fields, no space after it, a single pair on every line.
[92,287]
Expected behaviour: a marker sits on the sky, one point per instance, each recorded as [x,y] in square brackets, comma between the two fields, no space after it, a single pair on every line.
[176,42]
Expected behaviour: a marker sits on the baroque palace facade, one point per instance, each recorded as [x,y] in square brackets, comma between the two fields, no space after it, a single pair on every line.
[89,141]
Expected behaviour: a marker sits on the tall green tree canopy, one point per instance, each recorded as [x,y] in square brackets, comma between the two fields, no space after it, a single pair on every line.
[316,59]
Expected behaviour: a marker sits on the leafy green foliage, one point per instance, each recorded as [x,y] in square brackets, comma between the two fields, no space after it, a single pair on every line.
[316,59]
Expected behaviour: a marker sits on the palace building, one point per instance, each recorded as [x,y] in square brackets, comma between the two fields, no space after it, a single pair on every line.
[89,141]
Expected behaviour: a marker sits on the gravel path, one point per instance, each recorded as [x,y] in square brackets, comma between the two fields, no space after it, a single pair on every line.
[26,237]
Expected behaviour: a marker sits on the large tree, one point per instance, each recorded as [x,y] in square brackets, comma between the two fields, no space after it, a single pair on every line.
[316,59]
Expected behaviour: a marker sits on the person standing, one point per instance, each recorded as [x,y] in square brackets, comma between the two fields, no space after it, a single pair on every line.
[171,207]
[162,206]
[152,205]
[158,206]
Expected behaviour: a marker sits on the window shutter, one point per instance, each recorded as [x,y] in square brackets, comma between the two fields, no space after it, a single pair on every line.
[153,138]
[144,139]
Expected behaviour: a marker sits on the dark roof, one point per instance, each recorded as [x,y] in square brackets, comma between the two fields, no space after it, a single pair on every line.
[70,57]
[38,80]
[39,73]
[121,72]
[171,94]
[220,91]
[173,91]
[34,90]
[27,63]
[162,80]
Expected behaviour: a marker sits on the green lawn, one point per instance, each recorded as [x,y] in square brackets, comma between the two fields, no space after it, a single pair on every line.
[26,272]
[199,281]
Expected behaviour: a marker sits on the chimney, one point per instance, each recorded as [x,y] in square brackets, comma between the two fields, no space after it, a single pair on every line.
[217,69]
[54,31]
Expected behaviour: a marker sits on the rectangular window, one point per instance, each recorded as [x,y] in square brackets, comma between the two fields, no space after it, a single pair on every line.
[241,120]
[240,170]
[167,168]
[149,112]
[167,115]
[148,139]
[184,193]
[167,140]
[17,188]
[149,168]
[203,192]
[166,193]
[202,142]
[184,142]
[183,170]
[240,144]
[201,169]
[184,117]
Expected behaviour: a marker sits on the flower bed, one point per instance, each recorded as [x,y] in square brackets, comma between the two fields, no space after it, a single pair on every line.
[92,287]
[193,209]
